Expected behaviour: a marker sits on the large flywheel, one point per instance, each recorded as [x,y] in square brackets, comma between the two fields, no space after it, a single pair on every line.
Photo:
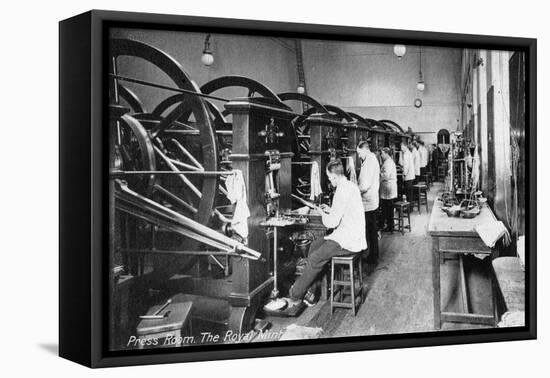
[189,147]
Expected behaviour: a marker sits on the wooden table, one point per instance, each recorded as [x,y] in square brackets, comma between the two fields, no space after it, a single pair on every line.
[453,235]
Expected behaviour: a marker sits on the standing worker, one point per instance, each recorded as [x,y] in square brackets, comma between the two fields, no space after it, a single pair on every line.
[408,170]
[416,160]
[388,188]
[369,184]
[423,158]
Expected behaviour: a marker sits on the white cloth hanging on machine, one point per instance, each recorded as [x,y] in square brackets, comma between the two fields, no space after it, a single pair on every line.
[315,182]
[475,169]
[351,170]
[236,193]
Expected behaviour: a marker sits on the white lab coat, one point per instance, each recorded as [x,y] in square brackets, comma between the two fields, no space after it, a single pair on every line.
[348,217]
[408,166]
[388,180]
[369,182]
[423,156]
[416,161]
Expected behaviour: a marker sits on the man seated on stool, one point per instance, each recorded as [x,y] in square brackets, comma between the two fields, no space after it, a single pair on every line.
[347,218]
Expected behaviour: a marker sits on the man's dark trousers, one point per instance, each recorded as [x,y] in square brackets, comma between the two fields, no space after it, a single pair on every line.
[409,190]
[387,212]
[371,229]
[321,252]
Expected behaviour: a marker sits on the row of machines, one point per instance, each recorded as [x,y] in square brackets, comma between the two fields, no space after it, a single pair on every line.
[171,215]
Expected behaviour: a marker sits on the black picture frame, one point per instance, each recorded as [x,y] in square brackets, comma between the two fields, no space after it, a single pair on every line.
[83,184]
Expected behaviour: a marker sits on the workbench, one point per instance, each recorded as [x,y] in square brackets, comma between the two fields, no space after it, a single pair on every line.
[452,235]
[308,222]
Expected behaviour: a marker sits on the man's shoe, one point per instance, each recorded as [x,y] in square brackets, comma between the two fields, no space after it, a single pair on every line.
[309,299]
[371,267]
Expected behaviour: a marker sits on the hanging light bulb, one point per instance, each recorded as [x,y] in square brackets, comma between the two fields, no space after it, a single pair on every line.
[207,58]
[399,51]
[420,85]
[301,89]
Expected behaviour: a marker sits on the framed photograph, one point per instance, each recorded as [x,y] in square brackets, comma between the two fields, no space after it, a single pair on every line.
[235,188]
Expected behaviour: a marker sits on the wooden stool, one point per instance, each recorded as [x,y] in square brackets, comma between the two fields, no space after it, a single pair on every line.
[428,178]
[340,265]
[422,196]
[178,319]
[403,209]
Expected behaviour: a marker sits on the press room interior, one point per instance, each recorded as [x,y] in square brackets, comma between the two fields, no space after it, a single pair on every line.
[218,183]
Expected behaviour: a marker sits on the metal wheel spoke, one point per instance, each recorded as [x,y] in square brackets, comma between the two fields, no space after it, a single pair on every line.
[186,166]
[184,178]
[188,154]
[175,198]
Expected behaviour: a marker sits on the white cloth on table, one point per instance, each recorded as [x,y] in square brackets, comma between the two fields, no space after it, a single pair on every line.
[315,182]
[236,193]
[491,232]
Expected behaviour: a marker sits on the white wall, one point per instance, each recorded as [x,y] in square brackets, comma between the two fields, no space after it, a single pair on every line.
[368,79]
[266,60]
[365,78]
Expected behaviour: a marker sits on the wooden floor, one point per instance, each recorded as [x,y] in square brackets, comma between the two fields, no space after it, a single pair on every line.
[399,295]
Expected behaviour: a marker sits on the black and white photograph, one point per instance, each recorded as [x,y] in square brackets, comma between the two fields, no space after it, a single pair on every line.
[265,189]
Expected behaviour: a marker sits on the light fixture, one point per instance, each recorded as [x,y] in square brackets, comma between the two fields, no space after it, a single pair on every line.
[420,85]
[399,51]
[301,88]
[207,58]
[478,61]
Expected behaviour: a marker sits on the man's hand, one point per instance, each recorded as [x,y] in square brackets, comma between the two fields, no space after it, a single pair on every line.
[325,207]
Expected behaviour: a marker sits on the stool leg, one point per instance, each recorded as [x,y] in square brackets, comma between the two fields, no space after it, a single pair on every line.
[360,279]
[419,199]
[401,220]
[409,219]
[340,272]
[352,280]
[331,286]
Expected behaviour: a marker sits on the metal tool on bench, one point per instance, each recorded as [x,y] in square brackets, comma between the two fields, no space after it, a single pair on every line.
[157,315]
[311,205]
